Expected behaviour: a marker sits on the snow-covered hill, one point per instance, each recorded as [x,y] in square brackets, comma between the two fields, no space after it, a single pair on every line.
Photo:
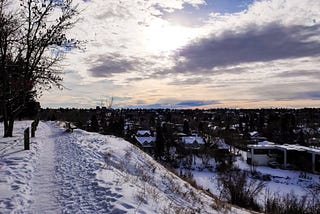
[83,172]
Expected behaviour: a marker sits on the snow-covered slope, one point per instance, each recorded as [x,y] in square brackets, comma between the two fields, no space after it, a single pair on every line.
[83,172]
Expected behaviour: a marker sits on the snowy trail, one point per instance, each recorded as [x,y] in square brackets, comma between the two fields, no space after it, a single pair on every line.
[64,180]
[43,182]
[79,189]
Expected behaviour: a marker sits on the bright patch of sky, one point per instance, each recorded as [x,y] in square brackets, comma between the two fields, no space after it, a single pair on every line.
[193,16]
[227,6]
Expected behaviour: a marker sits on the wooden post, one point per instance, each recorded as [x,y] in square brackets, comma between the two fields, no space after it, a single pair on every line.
[33,129]
[26,139]
[36,123]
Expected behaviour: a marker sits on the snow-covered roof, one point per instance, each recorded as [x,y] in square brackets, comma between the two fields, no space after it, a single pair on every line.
[314,150]
[292,147]
[254,133]
[257,146]
[265,143]
[192,140]
[287,147]
[146,141]
[180,134]
[143,132]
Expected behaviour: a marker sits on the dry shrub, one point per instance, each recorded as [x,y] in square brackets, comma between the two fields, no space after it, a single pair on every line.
[239,190]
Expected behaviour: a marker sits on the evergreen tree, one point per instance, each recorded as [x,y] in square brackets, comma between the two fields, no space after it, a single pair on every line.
[186,128]
[94,125]
[301,139]
[159,147]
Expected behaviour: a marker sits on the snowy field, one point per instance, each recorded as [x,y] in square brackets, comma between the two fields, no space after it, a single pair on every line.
[83,172]
[281,182]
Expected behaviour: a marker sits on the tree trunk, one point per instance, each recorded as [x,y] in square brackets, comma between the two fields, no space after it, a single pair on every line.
[8,130]
[5,118]
[8,119]
[8,127]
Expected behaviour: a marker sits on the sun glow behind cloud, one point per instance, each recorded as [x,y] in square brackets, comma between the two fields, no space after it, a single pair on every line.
[163,37]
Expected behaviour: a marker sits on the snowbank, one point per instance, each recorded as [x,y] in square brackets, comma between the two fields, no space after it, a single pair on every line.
[83,172]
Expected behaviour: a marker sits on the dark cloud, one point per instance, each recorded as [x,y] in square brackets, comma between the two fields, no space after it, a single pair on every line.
[151,106]
[134,79]
[196,103]
[106,65]
[255,44]
[314,95]
[110,67]
[172,103]
[287,91]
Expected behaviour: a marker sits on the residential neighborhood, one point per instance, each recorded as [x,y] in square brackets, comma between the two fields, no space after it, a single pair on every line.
[285,138]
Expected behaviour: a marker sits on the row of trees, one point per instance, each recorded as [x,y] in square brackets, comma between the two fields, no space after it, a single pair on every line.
[32,43]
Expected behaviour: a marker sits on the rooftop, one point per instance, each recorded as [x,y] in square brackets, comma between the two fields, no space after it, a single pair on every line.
[192,139]
[292,147]
[146,141]
[143,132]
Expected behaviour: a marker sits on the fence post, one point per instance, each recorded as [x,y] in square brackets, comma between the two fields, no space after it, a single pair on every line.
[33,129]
[26,139]
[36,123]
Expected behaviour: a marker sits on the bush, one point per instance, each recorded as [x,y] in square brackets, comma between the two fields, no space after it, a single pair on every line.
[238,189]
[291,204]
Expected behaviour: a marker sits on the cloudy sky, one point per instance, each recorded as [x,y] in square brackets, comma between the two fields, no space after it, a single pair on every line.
[193,54]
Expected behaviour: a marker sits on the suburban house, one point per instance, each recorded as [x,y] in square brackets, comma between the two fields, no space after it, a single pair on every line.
[286,156]
[192,142]
[145,139]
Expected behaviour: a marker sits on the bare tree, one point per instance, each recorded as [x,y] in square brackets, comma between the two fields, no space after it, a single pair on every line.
[9,33]
[32,47]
